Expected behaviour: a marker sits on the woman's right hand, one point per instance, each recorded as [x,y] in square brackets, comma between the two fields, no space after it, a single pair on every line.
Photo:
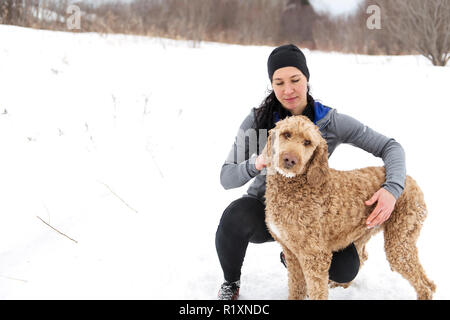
[261,161]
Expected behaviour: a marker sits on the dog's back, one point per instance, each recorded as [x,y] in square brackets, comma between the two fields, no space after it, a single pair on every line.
[347,212]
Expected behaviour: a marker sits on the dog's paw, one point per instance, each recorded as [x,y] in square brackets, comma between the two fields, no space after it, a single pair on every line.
[332,284]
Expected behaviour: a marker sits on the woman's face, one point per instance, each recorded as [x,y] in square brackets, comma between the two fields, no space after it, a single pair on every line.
[291,86]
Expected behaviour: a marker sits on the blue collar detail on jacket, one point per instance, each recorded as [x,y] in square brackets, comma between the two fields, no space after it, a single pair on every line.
[276,117]
[320,111]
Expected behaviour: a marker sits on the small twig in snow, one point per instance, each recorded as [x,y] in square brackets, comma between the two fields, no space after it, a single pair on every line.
[48,212]
[118,197]
[15,279]
[145,106]
[114,108]
[149,150]
[57,230]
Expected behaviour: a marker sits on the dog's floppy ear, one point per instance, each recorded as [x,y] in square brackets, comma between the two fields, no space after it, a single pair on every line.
[318,169]
[268,148]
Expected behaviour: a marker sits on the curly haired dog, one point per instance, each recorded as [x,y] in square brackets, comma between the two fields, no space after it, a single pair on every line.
[313,210]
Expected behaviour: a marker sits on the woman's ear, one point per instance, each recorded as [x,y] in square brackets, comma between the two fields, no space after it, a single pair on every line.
[318,169]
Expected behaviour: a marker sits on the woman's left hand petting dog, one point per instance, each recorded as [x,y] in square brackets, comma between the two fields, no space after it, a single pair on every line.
[385,205]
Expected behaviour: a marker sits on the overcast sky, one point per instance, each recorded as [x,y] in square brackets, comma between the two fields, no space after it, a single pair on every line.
[336,7]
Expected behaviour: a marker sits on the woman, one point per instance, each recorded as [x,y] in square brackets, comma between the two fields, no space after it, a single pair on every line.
[243,221]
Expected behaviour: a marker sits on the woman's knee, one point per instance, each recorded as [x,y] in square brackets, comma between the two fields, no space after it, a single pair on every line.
[344,265]
[242,215]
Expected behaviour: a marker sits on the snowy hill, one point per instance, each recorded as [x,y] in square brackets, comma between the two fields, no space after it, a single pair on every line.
[117,142]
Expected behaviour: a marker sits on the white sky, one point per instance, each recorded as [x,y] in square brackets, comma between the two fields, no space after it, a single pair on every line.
[335,7]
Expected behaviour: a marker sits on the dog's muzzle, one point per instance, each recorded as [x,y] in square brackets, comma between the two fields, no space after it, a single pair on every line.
[289,160]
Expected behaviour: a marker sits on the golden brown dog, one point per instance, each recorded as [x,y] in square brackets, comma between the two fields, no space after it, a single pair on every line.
[313,210]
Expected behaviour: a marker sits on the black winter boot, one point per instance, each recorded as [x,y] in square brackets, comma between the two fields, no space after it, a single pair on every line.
[229,290]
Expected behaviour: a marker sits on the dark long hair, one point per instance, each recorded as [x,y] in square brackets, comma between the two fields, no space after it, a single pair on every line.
[265,113]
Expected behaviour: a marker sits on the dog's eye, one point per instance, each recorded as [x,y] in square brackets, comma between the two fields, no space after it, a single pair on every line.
[287,135]
[306,142]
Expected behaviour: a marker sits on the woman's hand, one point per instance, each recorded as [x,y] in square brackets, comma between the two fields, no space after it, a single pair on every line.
[261,161]
[385,205]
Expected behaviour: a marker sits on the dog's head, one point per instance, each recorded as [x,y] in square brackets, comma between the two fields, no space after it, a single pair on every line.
[296,147]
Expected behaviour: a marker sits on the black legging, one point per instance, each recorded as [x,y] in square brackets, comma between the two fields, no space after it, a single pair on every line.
[243,221]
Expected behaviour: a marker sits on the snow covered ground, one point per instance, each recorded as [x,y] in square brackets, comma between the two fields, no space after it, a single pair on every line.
[117,142]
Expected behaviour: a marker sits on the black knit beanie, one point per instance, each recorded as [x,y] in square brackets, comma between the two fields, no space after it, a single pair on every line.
[287,56]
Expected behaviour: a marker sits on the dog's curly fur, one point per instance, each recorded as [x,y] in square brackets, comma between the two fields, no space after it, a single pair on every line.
[313,210]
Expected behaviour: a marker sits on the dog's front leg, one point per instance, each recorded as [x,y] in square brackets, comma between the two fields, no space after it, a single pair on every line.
[315,266]
[296,279]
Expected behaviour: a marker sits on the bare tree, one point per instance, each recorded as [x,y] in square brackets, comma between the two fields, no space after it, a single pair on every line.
[29,13]
[11,11]
[422,26]
[297,23]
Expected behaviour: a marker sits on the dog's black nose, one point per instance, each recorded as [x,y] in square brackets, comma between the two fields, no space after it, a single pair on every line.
[289,160]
